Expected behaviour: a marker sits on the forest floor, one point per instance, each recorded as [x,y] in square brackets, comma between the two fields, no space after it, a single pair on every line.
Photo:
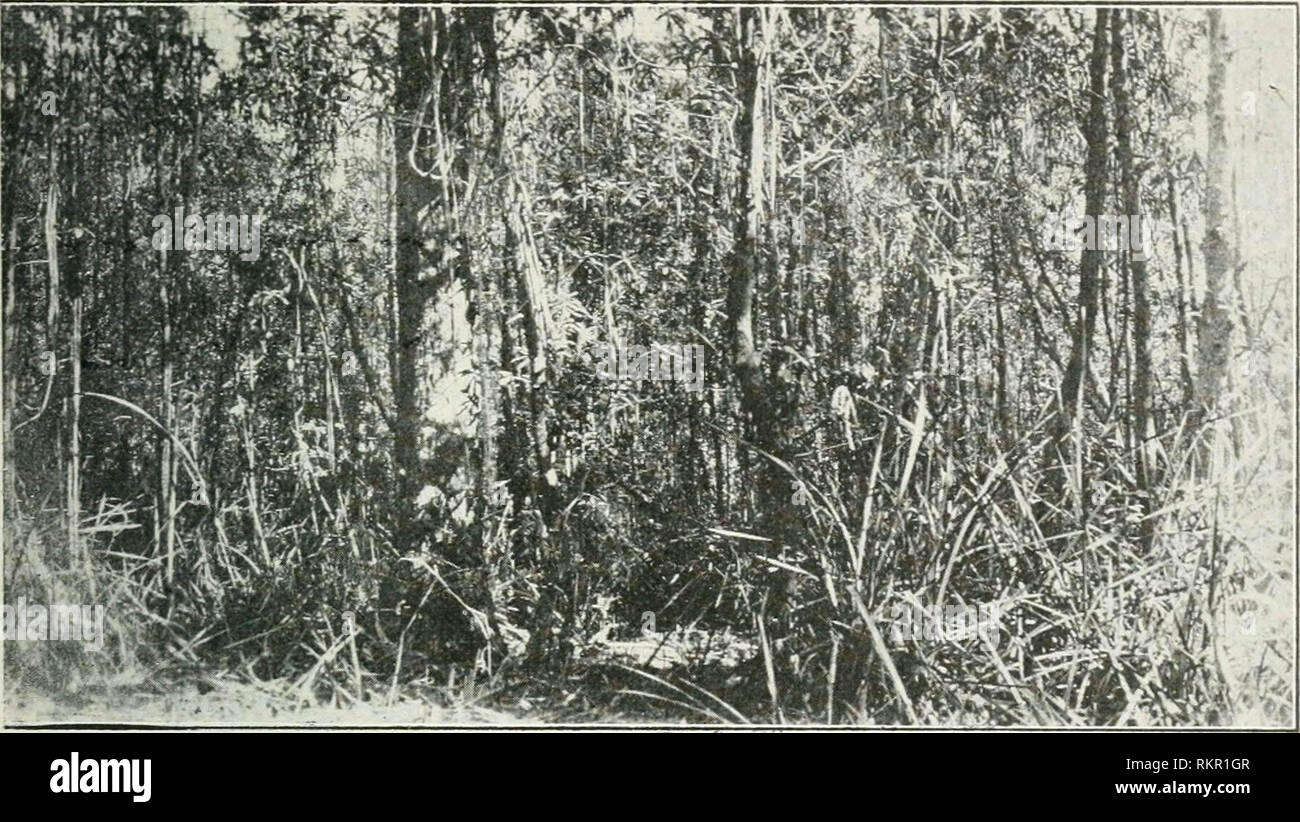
[242,705]
[604,687]
[231,703]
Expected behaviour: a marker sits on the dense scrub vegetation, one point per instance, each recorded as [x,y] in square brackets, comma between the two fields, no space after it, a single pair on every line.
[382,451]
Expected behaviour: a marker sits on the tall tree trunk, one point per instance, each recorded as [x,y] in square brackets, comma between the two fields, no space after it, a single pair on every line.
[484,320]
[73,263]
[485,297]
[1095,197]
[75,546]
[1214,329]
[412,193]
[1141,391]
[10,366]
[53,295]
[1006,419]
[773,489]
[1187,390]
[750,211]
[1243,316]
[1070,398]
[521,254]
[166,459]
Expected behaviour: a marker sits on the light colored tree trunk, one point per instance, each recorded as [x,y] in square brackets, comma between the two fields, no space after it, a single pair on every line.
[10,357]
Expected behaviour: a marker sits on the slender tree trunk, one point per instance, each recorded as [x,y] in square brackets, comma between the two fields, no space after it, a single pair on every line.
[482,23]
[1181,287]
[74,439]
[1214,330]
[166,461]
[1095,196]
[1070,398]
[773,491]
[749,222]
[486,296]
[412,193]
[73,275]
[53,296]
[386,155]
[1090,267]
[1006,419]
[10,353]
[1141,390]
[125,473]
[521,253]
[1243,316]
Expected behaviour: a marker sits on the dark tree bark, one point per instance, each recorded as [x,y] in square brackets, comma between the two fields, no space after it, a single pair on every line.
[745,359]
[1214,329]
[1180,285]
[1095,196]
[412,195]
[760,400]
[1131,184]
[1069,400]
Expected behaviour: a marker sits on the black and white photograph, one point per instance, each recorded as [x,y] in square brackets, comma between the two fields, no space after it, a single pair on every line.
[656,366]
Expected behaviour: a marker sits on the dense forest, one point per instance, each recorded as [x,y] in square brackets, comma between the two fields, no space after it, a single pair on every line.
[881,366]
